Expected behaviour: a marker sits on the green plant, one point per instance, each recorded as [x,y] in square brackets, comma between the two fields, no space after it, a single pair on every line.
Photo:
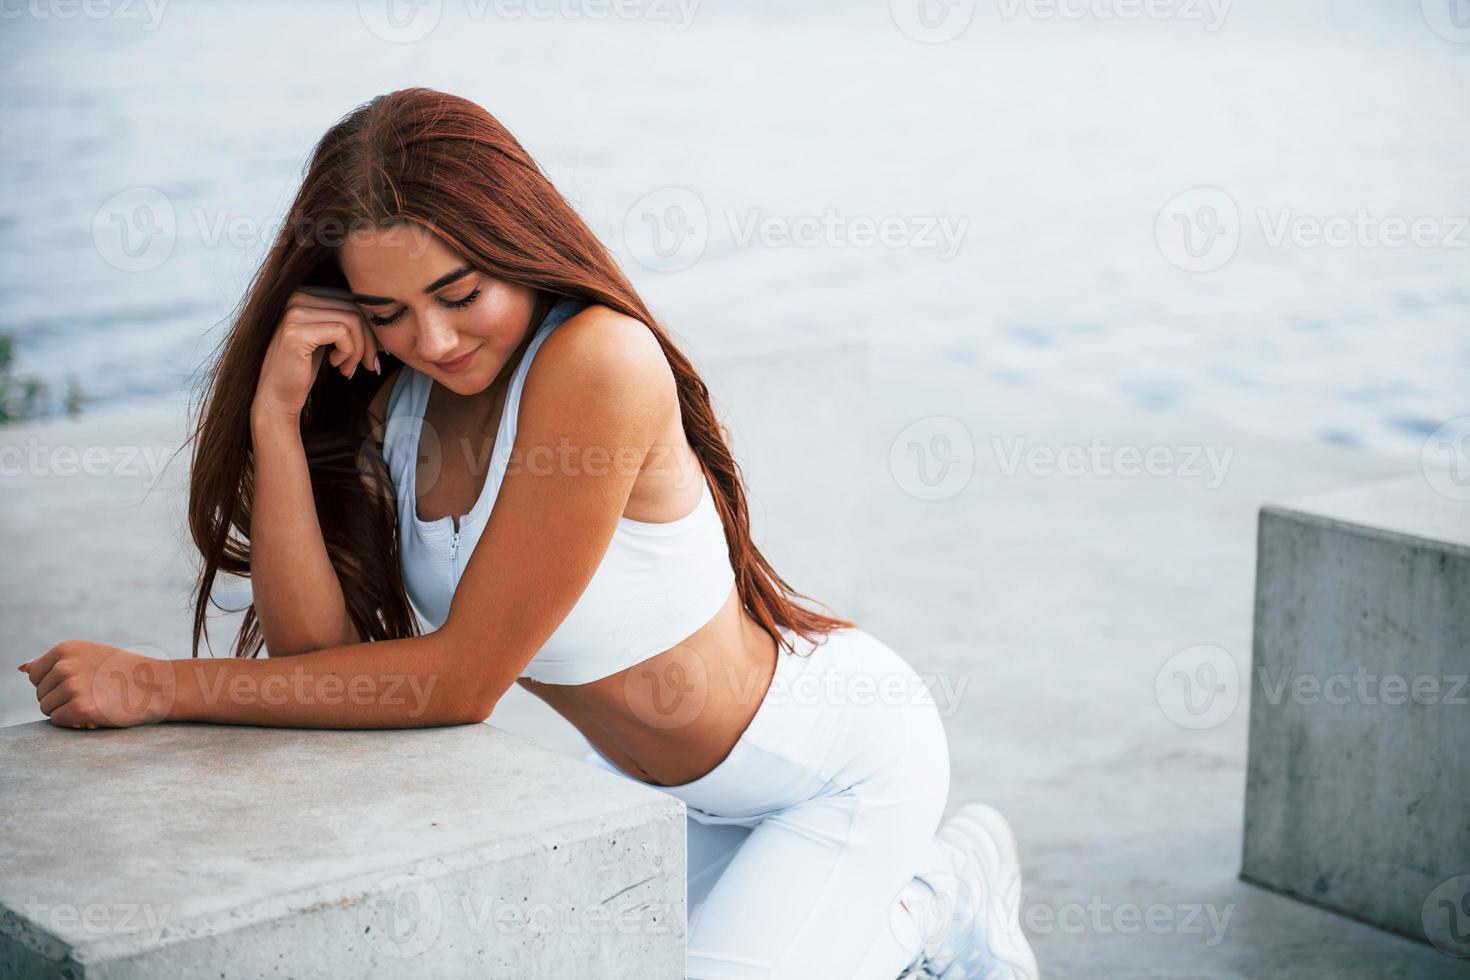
[25,397]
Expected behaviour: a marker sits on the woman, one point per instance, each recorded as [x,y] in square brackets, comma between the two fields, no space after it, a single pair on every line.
[532,467]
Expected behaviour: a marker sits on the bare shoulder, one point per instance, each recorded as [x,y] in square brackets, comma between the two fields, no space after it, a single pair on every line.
[605,357]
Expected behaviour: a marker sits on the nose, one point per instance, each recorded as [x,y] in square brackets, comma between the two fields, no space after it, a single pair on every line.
[437,340]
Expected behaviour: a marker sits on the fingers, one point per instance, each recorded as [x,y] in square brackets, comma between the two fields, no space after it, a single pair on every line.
[66,717]
[322,298]
[39,667]
[57,696]
[317,310]
[347,341]
[48,684]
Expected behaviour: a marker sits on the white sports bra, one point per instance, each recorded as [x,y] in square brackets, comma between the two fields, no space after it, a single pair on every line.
[657,584]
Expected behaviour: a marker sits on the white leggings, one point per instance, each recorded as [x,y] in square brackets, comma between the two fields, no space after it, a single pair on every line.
[803,840]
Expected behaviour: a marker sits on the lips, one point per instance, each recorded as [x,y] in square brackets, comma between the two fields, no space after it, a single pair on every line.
[457,364]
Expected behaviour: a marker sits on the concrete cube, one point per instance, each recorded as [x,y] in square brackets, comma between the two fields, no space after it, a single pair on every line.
[186,850]
[1358,788]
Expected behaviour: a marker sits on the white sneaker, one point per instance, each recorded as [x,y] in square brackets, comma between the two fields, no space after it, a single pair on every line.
[984,938]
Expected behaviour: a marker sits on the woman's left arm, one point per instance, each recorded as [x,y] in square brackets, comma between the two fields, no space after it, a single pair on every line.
[597,395]
[415,682]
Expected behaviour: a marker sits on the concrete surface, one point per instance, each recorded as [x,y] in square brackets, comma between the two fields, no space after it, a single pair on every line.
[1358,791]
[1044,603]
[202,850]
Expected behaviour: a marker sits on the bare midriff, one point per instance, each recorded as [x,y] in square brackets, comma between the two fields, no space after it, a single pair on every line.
[675,716]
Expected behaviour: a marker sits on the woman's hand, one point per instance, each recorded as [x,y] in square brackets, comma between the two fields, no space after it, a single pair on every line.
[312,323]
[93,685]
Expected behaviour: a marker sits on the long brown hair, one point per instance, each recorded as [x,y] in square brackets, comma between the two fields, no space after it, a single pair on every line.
[442,161]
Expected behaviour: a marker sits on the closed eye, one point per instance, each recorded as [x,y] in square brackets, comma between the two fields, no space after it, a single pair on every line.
[459,304]
[453,304]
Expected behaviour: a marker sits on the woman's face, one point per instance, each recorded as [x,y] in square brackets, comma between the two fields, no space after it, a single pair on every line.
[427,305]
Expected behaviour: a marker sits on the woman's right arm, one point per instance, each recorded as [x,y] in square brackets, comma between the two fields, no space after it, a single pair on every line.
[298,599]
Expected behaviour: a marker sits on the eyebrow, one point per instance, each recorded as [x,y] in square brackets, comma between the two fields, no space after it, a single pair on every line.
[439,283]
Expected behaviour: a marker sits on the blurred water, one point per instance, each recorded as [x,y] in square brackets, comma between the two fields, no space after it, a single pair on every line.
[1046,145]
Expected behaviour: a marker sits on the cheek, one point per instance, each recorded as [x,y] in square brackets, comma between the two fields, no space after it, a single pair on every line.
[500,326]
